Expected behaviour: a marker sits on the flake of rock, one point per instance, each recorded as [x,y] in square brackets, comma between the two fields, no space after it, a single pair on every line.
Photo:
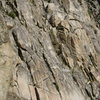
[51,8]
[10,24]
[65,24]
[55,20]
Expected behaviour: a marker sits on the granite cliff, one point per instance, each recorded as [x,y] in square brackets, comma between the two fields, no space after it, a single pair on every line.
[49,49]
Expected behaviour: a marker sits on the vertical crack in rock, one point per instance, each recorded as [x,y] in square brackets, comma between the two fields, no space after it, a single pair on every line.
[55,83]
[37,94]
[18,45]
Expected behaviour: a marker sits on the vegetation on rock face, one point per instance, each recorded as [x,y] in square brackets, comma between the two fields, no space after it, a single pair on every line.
[49,50]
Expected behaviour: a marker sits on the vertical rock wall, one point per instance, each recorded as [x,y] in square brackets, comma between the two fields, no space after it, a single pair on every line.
[53,50]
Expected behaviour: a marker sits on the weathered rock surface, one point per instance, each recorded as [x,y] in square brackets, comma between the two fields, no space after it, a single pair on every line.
[49,50]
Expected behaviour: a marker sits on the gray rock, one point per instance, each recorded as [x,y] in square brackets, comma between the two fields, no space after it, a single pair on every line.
[49,50]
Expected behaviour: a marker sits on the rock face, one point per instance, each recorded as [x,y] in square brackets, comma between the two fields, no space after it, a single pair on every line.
[49,50]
